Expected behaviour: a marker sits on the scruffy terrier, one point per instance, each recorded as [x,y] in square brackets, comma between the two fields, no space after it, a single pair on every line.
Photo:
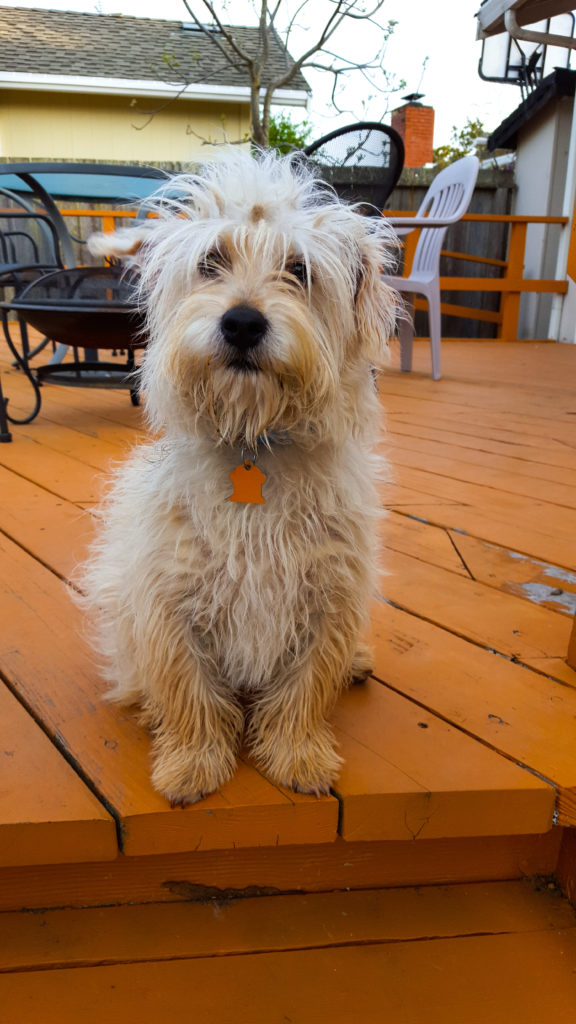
[237,553]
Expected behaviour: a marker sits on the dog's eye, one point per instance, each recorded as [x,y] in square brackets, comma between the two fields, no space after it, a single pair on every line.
[213,263]
[299,270]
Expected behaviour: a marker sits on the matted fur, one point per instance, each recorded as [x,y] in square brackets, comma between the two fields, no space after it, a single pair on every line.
[223,620]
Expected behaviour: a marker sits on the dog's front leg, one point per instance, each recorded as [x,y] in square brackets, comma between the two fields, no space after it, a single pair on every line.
[196,738]
[195,721]
[289,734]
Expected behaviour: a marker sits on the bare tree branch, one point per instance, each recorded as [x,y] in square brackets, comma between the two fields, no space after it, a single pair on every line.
[244,57]
[212,142]
[254,63]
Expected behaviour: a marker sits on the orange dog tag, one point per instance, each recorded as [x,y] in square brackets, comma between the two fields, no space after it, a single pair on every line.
[248,480]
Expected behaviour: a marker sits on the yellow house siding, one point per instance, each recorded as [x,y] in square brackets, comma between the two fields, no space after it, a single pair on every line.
[65,126]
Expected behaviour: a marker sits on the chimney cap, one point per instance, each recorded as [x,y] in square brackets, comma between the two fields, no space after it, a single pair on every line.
[413,97]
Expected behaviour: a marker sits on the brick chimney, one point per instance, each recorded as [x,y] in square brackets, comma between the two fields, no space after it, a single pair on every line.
[415,123]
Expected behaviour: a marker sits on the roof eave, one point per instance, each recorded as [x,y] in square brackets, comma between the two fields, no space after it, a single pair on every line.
[491,14]
[560,82]
[84,84]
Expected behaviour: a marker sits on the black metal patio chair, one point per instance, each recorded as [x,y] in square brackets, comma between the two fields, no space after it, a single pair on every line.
[34,189]
[29,248]
[362,162]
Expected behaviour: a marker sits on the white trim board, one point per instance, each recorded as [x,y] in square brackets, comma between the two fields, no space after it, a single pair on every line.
[142,87]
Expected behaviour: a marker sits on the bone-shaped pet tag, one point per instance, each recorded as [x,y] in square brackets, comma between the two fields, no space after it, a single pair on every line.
[248,481]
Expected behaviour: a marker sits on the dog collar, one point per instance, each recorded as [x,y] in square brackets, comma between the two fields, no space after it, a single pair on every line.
[274,437]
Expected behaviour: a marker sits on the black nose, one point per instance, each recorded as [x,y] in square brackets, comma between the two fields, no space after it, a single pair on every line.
[243,327]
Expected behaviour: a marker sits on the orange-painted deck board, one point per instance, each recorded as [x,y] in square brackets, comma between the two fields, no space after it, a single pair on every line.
[498,953]
[468,729]
[61,938]
[54,817]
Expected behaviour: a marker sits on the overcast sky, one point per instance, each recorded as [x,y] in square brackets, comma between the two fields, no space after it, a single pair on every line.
[443,31]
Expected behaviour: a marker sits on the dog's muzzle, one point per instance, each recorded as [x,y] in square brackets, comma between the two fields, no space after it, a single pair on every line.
[243,328]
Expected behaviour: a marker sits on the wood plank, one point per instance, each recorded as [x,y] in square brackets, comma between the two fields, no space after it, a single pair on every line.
[406,982]
[491,618]
[131,934]
[527,717]
[428,543]
[77,444]
[47,815]
[555,668]
[58,474]
[105,414]
[534,427]
[544,390]
[495,444]
[465,450]
[530,427]
[504,530]
[540,582]
[378,800]
[512,441]
[49,666]
[503,365]
[571,653]
[52,529]
[507,481]
[495,503]
[111,406]
[393,496]
[531,579]
[225,874]
[87,422]
[546,397]
[487,795]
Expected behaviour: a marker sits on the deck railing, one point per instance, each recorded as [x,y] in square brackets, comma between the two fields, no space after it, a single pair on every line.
[510,285]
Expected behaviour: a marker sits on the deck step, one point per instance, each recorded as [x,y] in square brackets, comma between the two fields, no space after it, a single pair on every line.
[407,773]
[319,867]
[412,956]
[458,754]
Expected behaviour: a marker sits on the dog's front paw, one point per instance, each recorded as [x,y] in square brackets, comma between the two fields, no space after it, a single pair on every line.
[309,766]
[314,770]
[362,664]
[185,777]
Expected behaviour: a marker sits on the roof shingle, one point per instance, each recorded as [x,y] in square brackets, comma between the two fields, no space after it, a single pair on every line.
[114,46]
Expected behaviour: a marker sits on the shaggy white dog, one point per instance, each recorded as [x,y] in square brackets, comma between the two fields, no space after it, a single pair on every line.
[236,558]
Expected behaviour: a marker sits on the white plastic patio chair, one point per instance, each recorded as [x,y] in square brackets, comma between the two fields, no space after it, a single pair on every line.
[445,202]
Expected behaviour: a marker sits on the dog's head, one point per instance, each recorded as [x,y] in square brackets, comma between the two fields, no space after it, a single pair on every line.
[264,302]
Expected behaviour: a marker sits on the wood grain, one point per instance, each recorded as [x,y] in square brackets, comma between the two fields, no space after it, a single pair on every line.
[407,982]
[47,815]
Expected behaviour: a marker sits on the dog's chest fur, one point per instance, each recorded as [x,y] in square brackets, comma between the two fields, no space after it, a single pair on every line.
[253,580]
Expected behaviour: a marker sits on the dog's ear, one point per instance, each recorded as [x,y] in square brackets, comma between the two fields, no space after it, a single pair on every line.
[125,245]
[375,304]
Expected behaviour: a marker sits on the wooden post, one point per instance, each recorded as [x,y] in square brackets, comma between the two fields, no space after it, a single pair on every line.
[571,656]
[108,223]
[571,259]
[410,243]
[510,302]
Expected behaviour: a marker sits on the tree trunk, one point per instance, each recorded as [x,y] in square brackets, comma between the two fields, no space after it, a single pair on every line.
[259,124]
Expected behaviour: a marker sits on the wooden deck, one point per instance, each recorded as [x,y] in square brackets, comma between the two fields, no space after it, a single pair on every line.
[460,753]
